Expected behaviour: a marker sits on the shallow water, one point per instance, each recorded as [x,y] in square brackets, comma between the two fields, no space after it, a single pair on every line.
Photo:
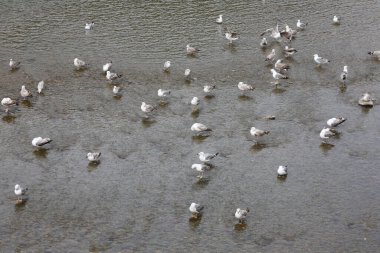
[137,198]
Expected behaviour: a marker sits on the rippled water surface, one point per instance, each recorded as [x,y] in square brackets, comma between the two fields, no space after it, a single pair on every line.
[137,198]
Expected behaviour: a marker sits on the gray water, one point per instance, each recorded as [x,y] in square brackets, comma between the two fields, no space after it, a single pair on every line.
[137,198]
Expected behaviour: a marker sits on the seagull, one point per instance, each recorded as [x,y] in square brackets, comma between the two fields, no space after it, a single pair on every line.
[8,102]
[290,30]
[336,20]
[270,57]
[147,108]
[274,33]
[244,87]
[89,26]
[14,64]
[375,54]
[191,50]
[187,74]
[281,66]
[241,214]
[219,20]
[320,60]
[333,122]
[301,25]
[366,100]
[326,133]
[258,132]
[277,75]
[200,168]
[163,93]
[343,75]
[231,36]
[282,171]
[40,86]
[79,63]
[93,157]
[289,51]
[107,66]
[112,76]
[194,101]
[206,157]
[39,141]
[116,90]
[263,43]
[195,209]
[167,66]
[24,92]
[199,127]
[19,191]
[208,88]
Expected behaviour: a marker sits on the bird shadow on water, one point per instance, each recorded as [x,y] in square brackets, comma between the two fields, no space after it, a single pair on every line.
[278,90]
[244,97]
[326,147]
[195,113]
[240,227]
[201,183]
[117,97]
[258,147]
[194,221]
[9,118]
[147,122]
[92,166]
[40,152]
[199,138]
[209,97]
[26,103]
[20,204]
[366,109]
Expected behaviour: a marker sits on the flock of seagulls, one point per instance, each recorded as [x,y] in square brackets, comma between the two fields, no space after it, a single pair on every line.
[279,72]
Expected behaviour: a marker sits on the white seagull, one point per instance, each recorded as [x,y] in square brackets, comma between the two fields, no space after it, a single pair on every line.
[194,101]
[271,55]
[320,60]
[258,132]
[200,168]
[241,214]
[208,88]
[24,92]
[282,171]
[244,87]
[39,141]
[112,76]
[167,66]
[8,102]
[336,20]
[40,86]
[79,63]
[375,54]
[219,20]
[195,209]
[191,50]
[277,75]
[89,26]
[107,66]
[19,191]
[147,108]
[187,74]
[366,100]
[333,122]
[93,157]
[116,90]
[326,133]
[301,25]
[231,36]
[344,74]
[14,64]
[206,157]
[274,33]
[163,93]
[263,43]
[199,127]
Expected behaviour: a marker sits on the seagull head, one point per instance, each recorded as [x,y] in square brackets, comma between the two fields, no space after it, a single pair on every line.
[17,187]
